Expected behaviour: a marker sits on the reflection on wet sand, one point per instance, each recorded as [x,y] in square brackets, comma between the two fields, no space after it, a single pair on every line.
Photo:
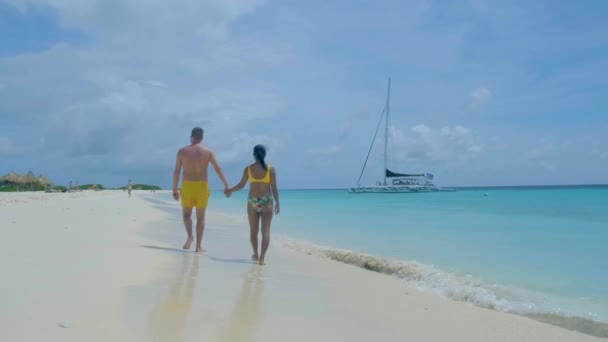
[168,319]
[246,314]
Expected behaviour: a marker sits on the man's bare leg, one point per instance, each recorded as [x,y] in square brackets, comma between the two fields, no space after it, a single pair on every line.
[266,220]
[187,216]
[200,229]
[254,229]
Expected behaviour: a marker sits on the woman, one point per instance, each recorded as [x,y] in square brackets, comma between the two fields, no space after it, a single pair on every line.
[262,189]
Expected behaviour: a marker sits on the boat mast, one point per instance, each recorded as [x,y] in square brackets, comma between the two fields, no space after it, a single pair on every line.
[388,113]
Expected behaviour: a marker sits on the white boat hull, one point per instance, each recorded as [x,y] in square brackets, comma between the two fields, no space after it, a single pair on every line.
[395,189]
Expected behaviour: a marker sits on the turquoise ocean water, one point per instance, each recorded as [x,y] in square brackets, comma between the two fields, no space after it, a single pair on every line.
[541,252]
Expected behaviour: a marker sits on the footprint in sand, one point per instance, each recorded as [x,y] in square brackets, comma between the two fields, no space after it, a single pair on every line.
[64,325]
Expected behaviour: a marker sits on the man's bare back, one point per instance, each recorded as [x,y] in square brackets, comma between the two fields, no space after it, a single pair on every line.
[195,162]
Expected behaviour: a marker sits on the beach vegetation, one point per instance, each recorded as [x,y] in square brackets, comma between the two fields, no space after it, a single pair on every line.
[142,187]
[91,187]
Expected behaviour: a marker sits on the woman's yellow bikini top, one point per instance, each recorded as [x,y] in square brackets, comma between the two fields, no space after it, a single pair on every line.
[266,178]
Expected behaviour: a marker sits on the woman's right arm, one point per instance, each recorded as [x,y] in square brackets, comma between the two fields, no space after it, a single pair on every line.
[275,190]
[242,183]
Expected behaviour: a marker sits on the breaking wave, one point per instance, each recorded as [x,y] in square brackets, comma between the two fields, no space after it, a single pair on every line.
[463,288]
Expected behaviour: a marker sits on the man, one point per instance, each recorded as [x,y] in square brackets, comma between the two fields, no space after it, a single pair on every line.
[129,187]
[194,160]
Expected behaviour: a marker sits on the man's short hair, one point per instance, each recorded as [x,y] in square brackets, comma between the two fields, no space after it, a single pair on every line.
[197,133]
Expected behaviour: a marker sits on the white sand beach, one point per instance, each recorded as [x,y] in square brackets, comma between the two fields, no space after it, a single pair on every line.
[100,266]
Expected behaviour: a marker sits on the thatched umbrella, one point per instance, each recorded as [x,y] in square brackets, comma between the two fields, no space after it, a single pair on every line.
[20,179]
[25,182]
[17,180]
[11,177]
[44,181]
[3,180]
[30,180]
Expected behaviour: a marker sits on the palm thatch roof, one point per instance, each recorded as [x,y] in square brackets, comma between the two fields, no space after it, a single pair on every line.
[30,178]
[44,181]
[11,177]
[27,181]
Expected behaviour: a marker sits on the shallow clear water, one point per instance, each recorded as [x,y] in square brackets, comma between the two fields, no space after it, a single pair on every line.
[536,250]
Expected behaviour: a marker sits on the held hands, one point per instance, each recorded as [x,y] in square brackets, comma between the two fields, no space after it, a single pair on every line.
[228,192]
[175,194]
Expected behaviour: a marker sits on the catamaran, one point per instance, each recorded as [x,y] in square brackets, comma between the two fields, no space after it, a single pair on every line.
[394,182]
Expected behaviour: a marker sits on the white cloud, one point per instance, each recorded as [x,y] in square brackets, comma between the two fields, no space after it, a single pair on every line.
[109,98]
[421,130]
[240,149]
[7,148]
[320,156]
[424,143]
[350,121]
[541,150]
[156,84]
[598,152]
[151,18]
[547,166]
[327,151]
[480,96]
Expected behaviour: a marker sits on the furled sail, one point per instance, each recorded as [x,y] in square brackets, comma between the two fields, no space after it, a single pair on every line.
[391,174]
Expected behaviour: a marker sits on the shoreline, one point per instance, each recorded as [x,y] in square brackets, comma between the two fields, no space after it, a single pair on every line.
[423,277]
[117,272]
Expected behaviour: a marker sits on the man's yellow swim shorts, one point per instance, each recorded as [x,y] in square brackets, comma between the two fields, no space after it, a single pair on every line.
[194,194]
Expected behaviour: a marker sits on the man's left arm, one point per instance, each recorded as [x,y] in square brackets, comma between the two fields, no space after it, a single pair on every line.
[176,172]
[219,171]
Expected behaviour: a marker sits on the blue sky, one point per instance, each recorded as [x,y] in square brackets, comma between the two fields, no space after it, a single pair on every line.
[484,92]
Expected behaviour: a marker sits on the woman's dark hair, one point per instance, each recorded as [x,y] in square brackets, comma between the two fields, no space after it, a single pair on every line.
[259,152]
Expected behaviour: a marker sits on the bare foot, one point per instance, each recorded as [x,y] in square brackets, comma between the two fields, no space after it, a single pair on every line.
[254,257]
[200,250]
[261,262]
[188,243]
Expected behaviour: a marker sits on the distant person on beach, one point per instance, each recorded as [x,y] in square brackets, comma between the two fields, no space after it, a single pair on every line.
[194,160]
[70,187]
[129,187]
[262,189]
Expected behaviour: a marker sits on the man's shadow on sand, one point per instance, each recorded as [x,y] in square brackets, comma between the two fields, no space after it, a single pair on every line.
[170,249]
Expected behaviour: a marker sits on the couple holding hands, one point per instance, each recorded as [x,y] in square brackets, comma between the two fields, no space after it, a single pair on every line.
[193,163]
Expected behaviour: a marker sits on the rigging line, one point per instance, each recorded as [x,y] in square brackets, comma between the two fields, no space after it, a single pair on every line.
[372,146]
[391,143]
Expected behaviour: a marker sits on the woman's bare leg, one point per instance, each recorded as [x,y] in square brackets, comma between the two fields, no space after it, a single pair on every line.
[266,220]
[254,229]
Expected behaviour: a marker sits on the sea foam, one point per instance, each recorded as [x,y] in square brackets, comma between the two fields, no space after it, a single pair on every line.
[459,287]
